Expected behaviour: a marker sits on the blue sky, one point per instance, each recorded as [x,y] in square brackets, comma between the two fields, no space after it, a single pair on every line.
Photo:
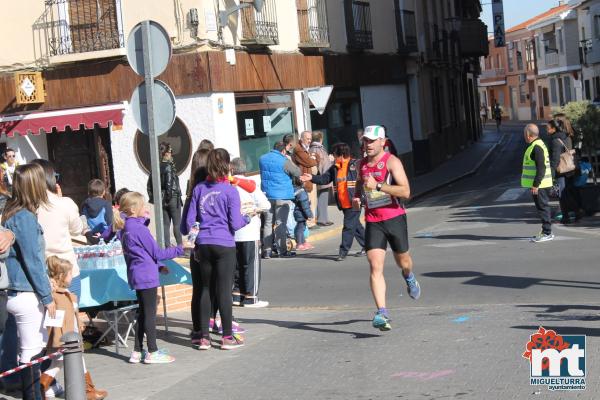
[516,11]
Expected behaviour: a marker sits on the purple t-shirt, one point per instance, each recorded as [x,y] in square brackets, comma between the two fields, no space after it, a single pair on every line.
[216,206]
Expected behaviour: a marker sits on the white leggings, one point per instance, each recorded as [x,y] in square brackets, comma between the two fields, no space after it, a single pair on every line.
[29,313]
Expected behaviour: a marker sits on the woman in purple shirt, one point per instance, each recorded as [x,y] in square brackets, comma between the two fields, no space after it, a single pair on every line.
[215,204]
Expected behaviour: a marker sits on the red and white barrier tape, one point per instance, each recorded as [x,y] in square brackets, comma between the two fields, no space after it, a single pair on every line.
[33,362]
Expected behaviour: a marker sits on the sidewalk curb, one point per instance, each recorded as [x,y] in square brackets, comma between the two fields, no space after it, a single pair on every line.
[456,179]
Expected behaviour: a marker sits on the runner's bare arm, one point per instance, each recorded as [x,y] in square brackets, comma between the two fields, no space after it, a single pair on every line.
[356,201]
[401,188]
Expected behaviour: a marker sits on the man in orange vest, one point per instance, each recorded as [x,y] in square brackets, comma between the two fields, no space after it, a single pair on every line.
[344,173]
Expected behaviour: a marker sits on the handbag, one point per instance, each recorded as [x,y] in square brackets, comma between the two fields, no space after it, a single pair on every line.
[567,160]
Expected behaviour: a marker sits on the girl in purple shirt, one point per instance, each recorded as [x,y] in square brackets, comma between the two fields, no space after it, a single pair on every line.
[215,204]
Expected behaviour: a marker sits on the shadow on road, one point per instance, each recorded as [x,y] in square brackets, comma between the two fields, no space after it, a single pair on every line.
[315,326]
[563,330]
[511,282]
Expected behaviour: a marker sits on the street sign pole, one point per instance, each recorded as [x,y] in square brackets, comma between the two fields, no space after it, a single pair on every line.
[154,156]
[153,138]
[306,106]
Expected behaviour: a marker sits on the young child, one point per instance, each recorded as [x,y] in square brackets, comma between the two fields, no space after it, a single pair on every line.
[143,256]
[97,211]
[302,213]
[60,273]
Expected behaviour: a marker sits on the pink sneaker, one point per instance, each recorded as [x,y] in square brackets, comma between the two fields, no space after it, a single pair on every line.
[301,247]
[308,246]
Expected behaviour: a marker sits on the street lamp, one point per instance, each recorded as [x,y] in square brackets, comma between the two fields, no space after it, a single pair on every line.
[224,15]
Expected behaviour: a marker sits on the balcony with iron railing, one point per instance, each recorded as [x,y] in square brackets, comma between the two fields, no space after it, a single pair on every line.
[259,28]
[551,58]
[406,29]
[358,25]
[70,27]
[493,73]
[312,23]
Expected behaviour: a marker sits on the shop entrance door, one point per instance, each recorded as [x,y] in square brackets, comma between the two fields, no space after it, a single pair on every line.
[80,156]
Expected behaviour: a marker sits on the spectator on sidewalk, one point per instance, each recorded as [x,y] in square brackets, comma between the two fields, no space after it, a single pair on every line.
[60,273]
[276,172]
[302,213]
[562,142]
[247,242]
[537,177]
[96,209]
[29,285]
[171,194]
[60,223]
[325,162]
[9,166]
[308,165]
[143,256]
[344,172]
[216,206]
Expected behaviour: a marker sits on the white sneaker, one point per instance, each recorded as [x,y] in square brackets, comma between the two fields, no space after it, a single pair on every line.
[542,237]
[137,357]
[55,390]
[258,304]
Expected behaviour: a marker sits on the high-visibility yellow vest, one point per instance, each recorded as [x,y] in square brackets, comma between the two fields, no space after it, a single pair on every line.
[529,169]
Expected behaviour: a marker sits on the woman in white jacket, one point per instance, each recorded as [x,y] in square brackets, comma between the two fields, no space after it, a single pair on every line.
[247,242]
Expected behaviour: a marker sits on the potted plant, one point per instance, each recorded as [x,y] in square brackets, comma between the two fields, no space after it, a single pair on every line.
[585,118]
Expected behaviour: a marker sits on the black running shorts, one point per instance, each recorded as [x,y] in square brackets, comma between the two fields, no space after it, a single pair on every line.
[393,231]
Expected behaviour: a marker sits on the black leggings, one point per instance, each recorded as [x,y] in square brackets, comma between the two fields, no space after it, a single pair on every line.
[146,320]
[196,289]
[216,262]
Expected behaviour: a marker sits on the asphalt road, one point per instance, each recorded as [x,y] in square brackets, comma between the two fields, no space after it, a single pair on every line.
[486,288]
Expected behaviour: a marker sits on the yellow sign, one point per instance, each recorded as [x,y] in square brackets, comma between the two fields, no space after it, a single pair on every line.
[29,87]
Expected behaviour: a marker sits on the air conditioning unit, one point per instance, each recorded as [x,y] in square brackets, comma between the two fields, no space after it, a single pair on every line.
[29,88]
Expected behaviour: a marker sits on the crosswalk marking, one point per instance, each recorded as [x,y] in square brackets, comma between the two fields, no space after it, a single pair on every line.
[511,195]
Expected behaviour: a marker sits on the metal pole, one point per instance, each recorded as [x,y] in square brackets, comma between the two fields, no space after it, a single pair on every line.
[154,156]
[73,360]
[306,104]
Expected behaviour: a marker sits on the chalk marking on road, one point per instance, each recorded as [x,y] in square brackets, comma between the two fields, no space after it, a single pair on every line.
[466,243]
[511,195]
[424,376]
[559,238]
[461,319]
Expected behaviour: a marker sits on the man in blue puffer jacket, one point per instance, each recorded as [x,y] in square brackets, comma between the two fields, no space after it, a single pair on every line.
[276,172]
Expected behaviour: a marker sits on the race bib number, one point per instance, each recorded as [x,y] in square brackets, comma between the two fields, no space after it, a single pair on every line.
[377,199]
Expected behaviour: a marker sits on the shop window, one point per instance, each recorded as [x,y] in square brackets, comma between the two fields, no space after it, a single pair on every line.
[179,139]
[553,94]
[262,121]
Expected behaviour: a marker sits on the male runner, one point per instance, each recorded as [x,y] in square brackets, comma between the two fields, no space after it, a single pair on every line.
[381,184]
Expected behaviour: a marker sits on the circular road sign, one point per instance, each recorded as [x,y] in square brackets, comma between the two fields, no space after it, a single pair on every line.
[160,48]
[164,107]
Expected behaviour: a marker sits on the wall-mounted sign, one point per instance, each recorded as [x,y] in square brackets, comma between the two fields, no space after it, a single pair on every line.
[29,87]
[267,123]
[249,127]
[498,13]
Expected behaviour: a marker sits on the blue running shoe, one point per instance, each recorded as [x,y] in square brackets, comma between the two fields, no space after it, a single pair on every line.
[381,322]
[413,287]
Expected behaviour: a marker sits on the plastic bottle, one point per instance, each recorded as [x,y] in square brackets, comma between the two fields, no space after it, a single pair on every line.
[194,232]
[119,259]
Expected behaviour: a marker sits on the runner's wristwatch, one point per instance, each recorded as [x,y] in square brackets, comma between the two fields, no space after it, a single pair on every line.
[379,186]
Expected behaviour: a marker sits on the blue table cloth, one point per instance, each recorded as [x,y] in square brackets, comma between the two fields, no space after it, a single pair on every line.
[101,286]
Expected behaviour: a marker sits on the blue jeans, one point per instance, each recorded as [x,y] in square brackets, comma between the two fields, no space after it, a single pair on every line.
[9,345]
[299,232]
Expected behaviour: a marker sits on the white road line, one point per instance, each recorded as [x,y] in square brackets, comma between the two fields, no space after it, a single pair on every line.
[511,194]
[449,227]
